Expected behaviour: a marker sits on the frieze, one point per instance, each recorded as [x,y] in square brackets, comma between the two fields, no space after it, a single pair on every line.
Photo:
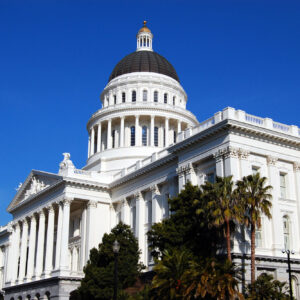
[271,160]
[36,186]
[296,166]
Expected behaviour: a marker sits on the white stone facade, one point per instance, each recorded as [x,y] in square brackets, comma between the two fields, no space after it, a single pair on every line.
[129,175]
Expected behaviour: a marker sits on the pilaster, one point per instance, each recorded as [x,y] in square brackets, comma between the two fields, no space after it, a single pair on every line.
[156,211]
[90,230]
[125,212]
[140,222]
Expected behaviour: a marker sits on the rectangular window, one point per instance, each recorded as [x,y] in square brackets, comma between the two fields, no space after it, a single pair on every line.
[115,99]
[210,177]
[123,97]
[255,170]
[155,96]
[133,219]
[145,95]
[282,185]
[156,136]
[258,235]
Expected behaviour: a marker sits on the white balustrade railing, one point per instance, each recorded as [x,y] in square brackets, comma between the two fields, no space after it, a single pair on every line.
[227,113]
[254,119]
[281,127]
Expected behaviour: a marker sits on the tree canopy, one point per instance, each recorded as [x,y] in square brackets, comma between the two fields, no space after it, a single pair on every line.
[98,280]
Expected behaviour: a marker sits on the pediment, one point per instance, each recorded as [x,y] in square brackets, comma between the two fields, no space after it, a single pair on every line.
[36,182]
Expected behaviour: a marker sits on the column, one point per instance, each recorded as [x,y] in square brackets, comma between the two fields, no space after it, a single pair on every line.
[297,187]
[83,237]
[156,211]
[152,131]
[231,162]
[245,169]
[32,242]
[190,174]
[16,252]
[93,141]
[218,156]
[276,217]
[122,132]
[50,241]
[109,134]
[99,138]
[90,231]
[178,126]
[125,212]
[64,249]
[166,132]
[137,131]
[140,224]
[40,245]
[9,263]
[181,178]
[58,236]
[23,250]
[89,147]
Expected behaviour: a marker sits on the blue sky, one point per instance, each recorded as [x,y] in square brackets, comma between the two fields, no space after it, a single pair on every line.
[56,57]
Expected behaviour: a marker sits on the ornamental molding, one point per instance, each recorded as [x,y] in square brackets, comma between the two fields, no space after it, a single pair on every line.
[92,204]
[36,185]
[272,160]
[67,201]
[138,196]
[185,169]
[154,189]
[296,166]
[230,151]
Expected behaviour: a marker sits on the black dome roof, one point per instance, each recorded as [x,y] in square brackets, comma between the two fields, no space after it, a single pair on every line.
[143,61]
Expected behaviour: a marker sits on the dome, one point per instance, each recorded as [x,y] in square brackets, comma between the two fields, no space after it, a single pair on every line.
[144,28]
[144,61]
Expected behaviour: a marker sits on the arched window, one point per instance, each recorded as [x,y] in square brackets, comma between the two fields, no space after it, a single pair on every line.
[132,136]
[113,136]
[174,136]
[144,136]
[166,98]
[174,99]
[156,96]
[156,136]
[115,99]
[286,232]
[133,96]
[145,95]
[123,97]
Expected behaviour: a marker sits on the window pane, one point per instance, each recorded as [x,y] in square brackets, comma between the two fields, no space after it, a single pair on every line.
[113,138]
[156,136]
[115,99]
[145,96]
[174,136]
[123,97]
[210,177]
[282,185]
[132,136]
[133,97]
[155,96]
[144,136]
[165,98]
[174,100]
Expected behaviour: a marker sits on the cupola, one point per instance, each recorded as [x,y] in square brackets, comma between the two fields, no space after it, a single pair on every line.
[144,39]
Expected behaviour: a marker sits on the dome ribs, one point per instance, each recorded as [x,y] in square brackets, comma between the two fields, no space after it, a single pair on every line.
[144,61]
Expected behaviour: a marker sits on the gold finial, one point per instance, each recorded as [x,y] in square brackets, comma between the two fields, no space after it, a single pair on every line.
[145,28]
[145,22]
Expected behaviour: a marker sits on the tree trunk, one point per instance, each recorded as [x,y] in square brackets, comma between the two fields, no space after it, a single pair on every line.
[252,253]
[228,239]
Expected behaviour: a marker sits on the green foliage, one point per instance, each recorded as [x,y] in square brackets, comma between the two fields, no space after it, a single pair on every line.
[266,288]
[98,280]
[223,205]
[186,229]
[254,196]
[170,270]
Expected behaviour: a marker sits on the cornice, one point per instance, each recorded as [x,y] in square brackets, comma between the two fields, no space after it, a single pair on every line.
[143,170]
[143,107]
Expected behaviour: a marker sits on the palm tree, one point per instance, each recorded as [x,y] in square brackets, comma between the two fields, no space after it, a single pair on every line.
[211,279]
[254,196]
[223,204]
[168,282]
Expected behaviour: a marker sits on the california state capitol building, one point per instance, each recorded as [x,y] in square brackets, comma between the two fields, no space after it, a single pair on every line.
[143,147]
